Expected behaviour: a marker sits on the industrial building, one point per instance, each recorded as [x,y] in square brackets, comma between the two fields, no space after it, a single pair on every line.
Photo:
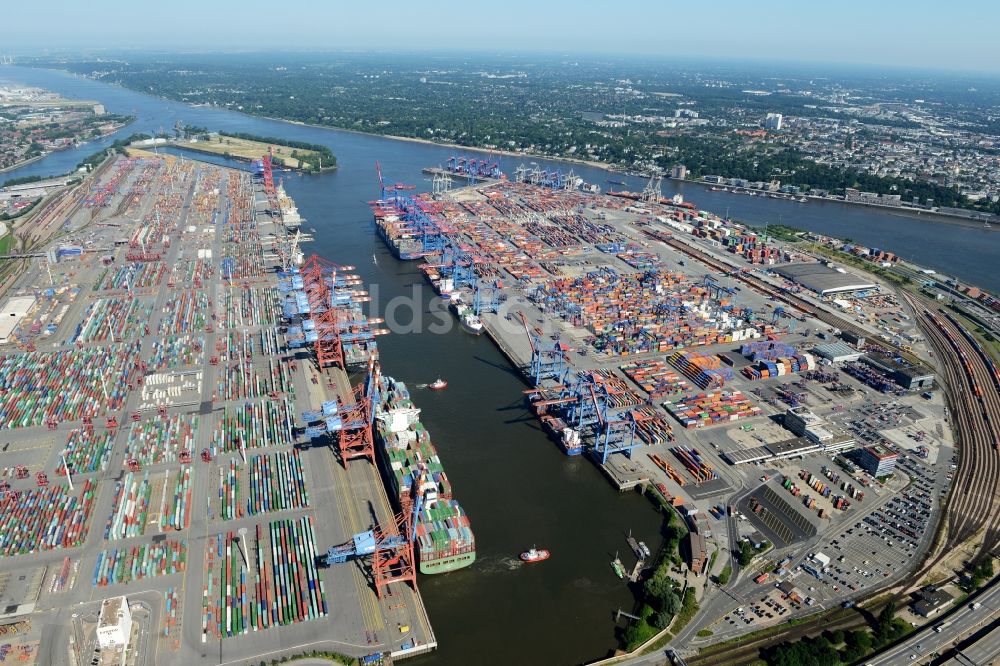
[804,423]
[789,448]
[824,280]
[930,601]
[788,589]
[838,352]
[821,559]
[877,460]
[910,377]
[114,627]
[695,552]
[14,310]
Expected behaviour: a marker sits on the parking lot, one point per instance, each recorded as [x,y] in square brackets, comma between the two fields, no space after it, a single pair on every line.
[881,544]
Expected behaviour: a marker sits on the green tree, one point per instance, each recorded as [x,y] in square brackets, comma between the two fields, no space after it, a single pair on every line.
[746,553]
[658,589]
[672,603]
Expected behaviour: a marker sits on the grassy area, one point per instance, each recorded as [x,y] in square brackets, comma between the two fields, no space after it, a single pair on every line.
[860,263]
[724,575]
[782,232]
[247,148]
[5,242]
[689,608]
[704,633]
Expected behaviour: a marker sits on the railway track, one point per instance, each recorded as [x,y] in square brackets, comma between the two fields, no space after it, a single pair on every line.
[973,391]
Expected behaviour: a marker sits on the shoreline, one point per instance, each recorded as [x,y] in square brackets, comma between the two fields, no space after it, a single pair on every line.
[62,150]
[947,218]
[412,139]
[239,158]
[902,211]
[30,160]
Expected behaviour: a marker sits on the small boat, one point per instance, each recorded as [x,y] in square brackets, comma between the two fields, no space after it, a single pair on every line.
[616,564]
[534,555]
[375,260]
[437,384]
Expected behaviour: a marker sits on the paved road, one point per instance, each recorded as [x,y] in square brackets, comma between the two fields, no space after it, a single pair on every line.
[923,643]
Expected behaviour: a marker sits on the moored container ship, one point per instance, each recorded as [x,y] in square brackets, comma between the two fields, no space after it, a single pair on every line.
[395,231]
[444,540]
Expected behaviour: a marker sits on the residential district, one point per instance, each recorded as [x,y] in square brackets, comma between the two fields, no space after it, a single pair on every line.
[35,122]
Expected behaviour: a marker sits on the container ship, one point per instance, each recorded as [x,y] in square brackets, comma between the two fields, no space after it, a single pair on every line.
[289,211]
[398,234]
[471,323]
[567,438]
[444,540]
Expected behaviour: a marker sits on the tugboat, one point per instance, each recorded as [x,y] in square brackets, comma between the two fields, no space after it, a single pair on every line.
[534,555]
[437,384]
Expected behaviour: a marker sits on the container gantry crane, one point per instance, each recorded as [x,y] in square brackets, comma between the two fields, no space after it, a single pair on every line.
[612,436]
[545,363]
[486,298]
[357,439]
[390,548]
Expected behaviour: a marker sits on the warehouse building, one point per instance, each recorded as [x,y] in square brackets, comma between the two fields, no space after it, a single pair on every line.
[790,448]
[14,310]
[800,419]
[910,377]
[877,460]
[838,352]
[825,280]
[804,423]
[930,601]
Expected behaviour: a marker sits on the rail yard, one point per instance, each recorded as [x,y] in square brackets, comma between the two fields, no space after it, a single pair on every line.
[176,463]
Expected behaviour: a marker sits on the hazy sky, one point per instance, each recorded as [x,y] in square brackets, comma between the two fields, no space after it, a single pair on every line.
[960,34]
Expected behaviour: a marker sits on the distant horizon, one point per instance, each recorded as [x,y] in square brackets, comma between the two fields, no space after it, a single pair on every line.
[83,52]
[917,34]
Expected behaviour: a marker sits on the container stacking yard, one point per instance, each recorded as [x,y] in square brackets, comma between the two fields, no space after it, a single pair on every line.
[618,331]
[155,390]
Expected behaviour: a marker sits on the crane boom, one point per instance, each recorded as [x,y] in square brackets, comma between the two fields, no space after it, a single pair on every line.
[527,330]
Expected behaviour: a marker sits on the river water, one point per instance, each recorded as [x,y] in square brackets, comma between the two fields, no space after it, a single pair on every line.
[516,486]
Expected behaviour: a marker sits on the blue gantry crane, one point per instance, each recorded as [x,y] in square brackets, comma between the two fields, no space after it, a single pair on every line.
[612,435]
[546,362]
[324,420]
[486,298]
